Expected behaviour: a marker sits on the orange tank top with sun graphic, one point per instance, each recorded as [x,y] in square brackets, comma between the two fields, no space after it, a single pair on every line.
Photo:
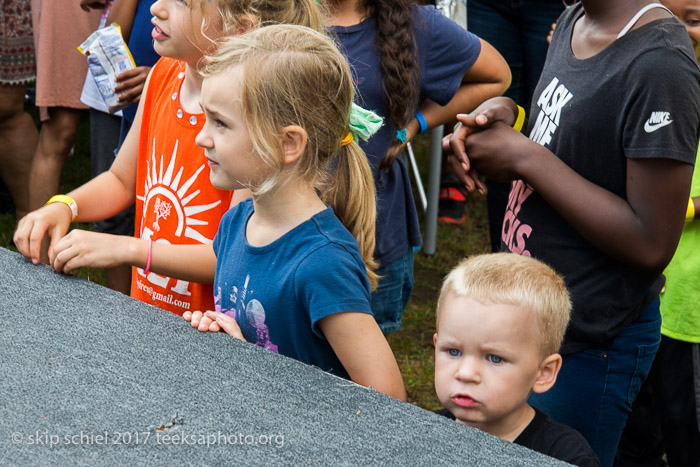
[175,202]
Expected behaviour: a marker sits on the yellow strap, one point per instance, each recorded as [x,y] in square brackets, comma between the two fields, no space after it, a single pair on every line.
[520,120]
[690,213]
[66,200]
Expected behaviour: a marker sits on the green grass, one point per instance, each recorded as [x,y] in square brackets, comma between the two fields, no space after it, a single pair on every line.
[413,345]
[76,171]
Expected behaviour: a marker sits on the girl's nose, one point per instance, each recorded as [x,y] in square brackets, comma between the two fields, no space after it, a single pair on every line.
[158,10]
[202,139]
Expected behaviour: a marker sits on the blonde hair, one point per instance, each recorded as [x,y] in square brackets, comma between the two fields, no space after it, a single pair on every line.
[292,75]
[266,12]
[521,281]
[234,16]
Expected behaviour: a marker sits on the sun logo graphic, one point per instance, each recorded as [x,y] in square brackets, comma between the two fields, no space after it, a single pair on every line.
[171,208]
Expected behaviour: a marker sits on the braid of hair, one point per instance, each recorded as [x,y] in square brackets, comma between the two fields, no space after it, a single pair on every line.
[399,63]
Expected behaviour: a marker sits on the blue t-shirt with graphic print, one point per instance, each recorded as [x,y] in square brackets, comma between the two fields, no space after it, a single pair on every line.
[279,292]
[445,53]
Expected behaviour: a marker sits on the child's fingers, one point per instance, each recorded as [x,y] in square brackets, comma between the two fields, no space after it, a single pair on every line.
[57,257]
[127,85]
[127,75]
[69,263]
[132,96]
[130,85]
[487,117]
[204,324]
[462,175]
[475,121]
[140,72]
[214,327]
[57,244]
[187,315]
[456,145]
[196,318]
[227,324]
[21,236]
[28,237]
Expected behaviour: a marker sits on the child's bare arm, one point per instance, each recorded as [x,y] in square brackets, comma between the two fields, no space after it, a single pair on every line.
[102,197]
[105,196]
[364,352]
[80,248]
[488,77]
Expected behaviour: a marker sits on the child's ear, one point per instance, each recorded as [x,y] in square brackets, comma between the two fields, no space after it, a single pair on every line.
[434,339]
[547,374]
[293,142]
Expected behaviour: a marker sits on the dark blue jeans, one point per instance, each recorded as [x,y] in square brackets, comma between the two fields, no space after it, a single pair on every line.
[518,30]
[596,388]
[392,293]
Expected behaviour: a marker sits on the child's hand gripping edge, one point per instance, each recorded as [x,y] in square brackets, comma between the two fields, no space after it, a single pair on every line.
[53,219]
[213,321]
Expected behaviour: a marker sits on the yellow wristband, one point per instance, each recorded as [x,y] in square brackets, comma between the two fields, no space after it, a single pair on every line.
[67,200]
[690,213]
[520,120]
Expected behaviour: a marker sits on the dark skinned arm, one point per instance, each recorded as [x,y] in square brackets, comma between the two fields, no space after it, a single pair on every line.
[642,230]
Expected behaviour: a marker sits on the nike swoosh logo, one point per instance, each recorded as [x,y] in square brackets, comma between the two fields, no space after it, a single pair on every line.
[649,128]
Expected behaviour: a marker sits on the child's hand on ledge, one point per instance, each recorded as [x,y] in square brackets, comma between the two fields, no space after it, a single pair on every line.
[214,321]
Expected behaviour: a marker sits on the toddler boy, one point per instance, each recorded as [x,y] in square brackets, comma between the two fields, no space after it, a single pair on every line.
[500,322]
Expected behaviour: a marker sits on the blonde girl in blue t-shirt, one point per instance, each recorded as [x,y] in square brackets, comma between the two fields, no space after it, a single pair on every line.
[278,107]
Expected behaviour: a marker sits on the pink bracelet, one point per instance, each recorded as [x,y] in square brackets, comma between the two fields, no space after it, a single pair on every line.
[148,263]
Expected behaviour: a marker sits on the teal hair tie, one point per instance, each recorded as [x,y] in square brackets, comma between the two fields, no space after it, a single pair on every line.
[401,135]
[364,123]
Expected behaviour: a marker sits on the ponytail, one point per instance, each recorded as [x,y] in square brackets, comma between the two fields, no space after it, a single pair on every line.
[352,196]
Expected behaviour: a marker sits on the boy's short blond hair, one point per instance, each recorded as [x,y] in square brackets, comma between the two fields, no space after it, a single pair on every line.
[522,281]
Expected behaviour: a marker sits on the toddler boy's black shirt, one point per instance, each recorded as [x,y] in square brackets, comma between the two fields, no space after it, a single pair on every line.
[552,438]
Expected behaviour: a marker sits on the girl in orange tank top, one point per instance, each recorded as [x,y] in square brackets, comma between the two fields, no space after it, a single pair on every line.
[159,166]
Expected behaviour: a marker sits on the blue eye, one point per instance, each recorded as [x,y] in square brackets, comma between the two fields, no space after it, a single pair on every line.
[454,352]
[495,359]
[219,123]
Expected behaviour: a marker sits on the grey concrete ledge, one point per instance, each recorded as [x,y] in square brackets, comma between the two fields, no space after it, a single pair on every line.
[91,377]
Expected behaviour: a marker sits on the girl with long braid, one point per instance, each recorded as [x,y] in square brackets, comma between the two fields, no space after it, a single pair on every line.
[417,69]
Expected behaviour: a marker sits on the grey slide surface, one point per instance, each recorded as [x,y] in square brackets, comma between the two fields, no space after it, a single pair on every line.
[91,377]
